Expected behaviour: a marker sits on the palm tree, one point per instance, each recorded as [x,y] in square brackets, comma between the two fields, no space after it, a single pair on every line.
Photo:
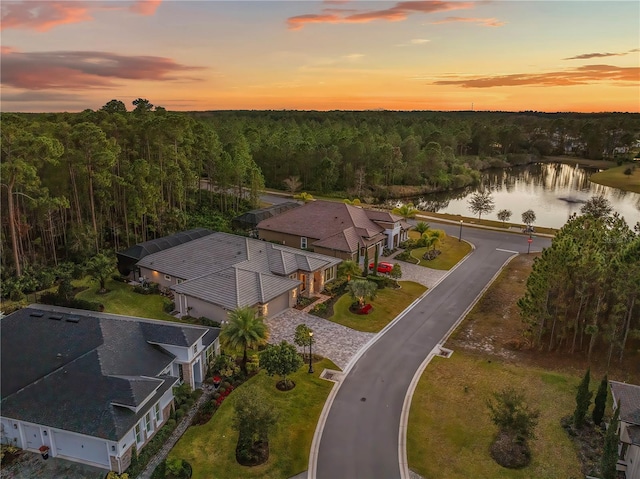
[422,227]
[406,211]
[348,268]
[243,331]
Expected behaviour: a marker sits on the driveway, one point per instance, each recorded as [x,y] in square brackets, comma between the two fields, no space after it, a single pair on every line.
[332,340]
[419,274]
[31,466]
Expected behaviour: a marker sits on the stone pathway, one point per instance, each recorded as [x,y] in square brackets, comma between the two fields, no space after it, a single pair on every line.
[332,340]
[175,436]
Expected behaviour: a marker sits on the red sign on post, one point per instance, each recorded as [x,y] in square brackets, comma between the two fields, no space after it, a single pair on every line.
[530,241]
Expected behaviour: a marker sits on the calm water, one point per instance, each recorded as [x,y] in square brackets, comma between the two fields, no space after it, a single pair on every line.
[552,191]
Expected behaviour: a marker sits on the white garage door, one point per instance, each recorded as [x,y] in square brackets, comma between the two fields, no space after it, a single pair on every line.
[279,304]
[81,447]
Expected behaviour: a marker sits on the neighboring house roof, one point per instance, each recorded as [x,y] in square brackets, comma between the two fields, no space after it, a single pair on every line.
[83,371]
[332,225]
[235,271]
[627,396]
[251,218]
[153,246]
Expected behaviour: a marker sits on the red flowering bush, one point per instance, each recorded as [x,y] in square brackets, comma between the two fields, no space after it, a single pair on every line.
[223,395]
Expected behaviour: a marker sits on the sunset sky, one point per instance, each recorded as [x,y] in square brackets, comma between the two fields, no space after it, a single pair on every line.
[413,55]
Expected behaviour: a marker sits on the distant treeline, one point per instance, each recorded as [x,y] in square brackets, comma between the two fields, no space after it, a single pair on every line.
[78,183]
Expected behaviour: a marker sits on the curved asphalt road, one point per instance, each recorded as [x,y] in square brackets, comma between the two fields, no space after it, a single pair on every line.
[360,435]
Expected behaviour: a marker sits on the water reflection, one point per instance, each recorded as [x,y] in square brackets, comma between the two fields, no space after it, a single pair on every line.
[553,191]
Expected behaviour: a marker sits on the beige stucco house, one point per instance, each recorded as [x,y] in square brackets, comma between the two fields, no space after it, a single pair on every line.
[220,272]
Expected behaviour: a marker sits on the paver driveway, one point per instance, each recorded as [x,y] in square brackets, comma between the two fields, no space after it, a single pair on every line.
[332,340]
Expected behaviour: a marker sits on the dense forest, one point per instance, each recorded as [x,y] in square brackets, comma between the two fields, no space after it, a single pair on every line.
[74,184]
[584,291]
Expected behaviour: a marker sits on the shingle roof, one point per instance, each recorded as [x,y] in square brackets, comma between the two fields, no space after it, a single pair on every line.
[320,219]
[628,397]
[72,375]
[332,225]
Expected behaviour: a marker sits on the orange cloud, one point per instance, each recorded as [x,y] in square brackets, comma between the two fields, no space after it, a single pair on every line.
[145,7]
[577,76]
[80,70]
[400,11]
[44,15]
[485,22]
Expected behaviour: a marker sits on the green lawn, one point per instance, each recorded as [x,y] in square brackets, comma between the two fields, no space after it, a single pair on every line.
[120,299]
[210,448]
[452,251]
[449,427]
[388,304]
[616,178]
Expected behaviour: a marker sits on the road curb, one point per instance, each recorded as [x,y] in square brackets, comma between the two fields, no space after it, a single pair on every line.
[406,407]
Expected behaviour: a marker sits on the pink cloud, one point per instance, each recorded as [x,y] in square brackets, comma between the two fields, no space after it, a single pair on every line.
[400,11]
[44,15]
[576,76]
[80,70]
[485,22]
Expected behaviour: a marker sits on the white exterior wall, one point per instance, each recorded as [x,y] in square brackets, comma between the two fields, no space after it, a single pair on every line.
[10,434]
[391,233]
[633,461]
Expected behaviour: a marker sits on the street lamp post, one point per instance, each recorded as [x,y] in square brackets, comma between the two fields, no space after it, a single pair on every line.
[310,355]
[529,241]
[460,235]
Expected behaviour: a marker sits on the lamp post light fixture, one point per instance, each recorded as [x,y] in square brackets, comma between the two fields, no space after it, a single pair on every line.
[310,355]
[460,234]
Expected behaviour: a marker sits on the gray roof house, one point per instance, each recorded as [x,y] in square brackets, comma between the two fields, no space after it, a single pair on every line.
[217,273]
[627,398]
[90,386]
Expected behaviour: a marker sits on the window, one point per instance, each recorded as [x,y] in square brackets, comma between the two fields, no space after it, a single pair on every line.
[157,414]
[303,243]
[329,274]
[180,373]
[195,349]
[167,277]
[210,355]
[138,434]
[147,422]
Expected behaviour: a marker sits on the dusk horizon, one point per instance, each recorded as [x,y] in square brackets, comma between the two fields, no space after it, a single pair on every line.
[444,56]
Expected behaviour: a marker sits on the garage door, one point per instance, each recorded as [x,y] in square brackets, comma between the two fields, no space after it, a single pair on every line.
[279,304]
[81,447]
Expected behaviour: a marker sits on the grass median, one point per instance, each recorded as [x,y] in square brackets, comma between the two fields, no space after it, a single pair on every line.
[211,447]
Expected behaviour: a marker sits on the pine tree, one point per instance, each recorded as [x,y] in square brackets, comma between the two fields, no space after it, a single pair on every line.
[600,401]
[583,399]
[610,451]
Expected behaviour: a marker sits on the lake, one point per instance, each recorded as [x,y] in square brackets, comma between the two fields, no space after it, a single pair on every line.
[553,191]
